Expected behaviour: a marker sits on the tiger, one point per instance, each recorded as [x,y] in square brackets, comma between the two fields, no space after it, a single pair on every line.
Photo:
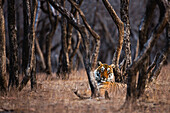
[104,75]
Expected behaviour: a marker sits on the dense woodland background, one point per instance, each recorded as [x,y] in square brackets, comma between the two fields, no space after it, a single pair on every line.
[99,19]
[62,37]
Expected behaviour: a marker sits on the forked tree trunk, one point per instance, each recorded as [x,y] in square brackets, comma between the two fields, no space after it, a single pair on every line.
[134,90]
[30,72]
[143,37]
[14,71]
[3,83]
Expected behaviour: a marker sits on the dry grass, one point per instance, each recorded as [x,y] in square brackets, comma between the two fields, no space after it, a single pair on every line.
[57,96]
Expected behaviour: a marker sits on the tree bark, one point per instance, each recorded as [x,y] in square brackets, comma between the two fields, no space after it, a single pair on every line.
[3,83]
[27,21]
[124,11]
[30,70]
[65,56]
[14,69]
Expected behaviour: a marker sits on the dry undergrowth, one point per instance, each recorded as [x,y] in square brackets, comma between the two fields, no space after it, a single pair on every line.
[57,96]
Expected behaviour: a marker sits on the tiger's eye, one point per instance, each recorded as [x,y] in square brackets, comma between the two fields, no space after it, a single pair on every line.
[98,73]
[108,70]
[102,69]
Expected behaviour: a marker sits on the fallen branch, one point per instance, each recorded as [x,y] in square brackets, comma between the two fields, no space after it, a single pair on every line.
[79,95]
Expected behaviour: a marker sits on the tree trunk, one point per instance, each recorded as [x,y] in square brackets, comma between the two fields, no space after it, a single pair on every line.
[77,45]
[3,83]
[27,21]
[65,58]
[14,71]
[124,11]
[49,39]
[140,64]
[30,69]
[131,95]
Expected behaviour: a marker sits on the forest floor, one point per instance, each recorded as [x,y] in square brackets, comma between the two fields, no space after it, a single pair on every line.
[57,96]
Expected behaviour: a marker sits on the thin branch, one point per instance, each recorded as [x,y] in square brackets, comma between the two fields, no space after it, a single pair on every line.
[153,63]
[77,45]
[40,53]
[137,49]
[158,67]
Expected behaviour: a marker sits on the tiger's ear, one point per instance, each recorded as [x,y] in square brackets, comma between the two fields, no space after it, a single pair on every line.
[99,63]
[112,65]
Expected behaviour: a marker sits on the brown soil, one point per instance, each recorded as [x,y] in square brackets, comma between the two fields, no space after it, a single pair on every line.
[57,96]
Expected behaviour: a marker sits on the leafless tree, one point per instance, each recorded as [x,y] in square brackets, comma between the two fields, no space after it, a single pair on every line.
[136,90]
[30,70]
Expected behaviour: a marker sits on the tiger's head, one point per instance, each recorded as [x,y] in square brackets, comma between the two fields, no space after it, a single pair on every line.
[104,73]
